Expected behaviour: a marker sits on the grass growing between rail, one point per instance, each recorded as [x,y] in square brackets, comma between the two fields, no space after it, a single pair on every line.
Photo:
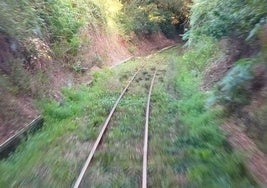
[118,162]
[53,156]
[186,146]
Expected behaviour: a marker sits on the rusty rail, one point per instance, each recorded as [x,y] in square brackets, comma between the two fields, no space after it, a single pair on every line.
[144,176]
[10,144]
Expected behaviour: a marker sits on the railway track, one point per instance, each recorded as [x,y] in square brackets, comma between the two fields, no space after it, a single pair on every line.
[105,129]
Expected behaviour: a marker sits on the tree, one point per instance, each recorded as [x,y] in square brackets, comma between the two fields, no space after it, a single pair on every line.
[144,17]
[234,18]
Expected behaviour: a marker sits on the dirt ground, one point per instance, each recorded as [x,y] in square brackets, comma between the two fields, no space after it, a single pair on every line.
[15,110]
[256,160]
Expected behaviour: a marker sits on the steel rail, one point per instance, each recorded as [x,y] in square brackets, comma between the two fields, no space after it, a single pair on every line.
[92,152]
[144,176]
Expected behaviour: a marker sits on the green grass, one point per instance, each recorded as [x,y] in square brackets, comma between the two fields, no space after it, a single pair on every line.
[186,146]
[164,129]
[53,156]
[119,161]
[206,161]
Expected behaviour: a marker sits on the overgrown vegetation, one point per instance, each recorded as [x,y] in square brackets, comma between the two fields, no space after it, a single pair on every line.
[67,126]
[40,39]
[220,19]
[146,17]
[234,89]
[207,159]
[240,80]
[70,127]
[185,140]
[56,22]
[193,151]
[226,18]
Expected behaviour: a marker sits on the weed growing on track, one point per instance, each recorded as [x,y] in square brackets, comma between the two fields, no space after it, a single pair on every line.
[118,163]
[53,156]
[186,146]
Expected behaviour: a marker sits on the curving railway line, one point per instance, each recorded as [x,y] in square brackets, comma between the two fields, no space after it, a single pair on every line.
[105,127]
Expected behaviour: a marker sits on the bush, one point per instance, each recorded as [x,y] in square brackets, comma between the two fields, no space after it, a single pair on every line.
[18,19]
[146,17]
[233,90]
[234,18]
[141,19]
[56,22]
[200,54]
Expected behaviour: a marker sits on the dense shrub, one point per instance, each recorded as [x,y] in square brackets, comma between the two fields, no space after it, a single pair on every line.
[18,19]
[238,19]
[56,22]
[234,18]
[140,19]
[233,90]
[145,17]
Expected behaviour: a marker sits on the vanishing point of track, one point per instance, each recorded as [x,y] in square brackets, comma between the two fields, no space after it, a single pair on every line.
[105,126]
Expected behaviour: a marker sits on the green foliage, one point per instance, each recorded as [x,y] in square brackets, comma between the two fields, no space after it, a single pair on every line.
[146,17]
[196,149]
[63,122]
[255,30]
[233,89]
[206,159]
[175,14]
[136,18]
[63,19]
[74,121]
[242,20]
[201,54]
[18,19]
[233,18]
[62,24]
[56,22]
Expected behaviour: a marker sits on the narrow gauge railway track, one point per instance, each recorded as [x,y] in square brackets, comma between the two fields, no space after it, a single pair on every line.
[105,127]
